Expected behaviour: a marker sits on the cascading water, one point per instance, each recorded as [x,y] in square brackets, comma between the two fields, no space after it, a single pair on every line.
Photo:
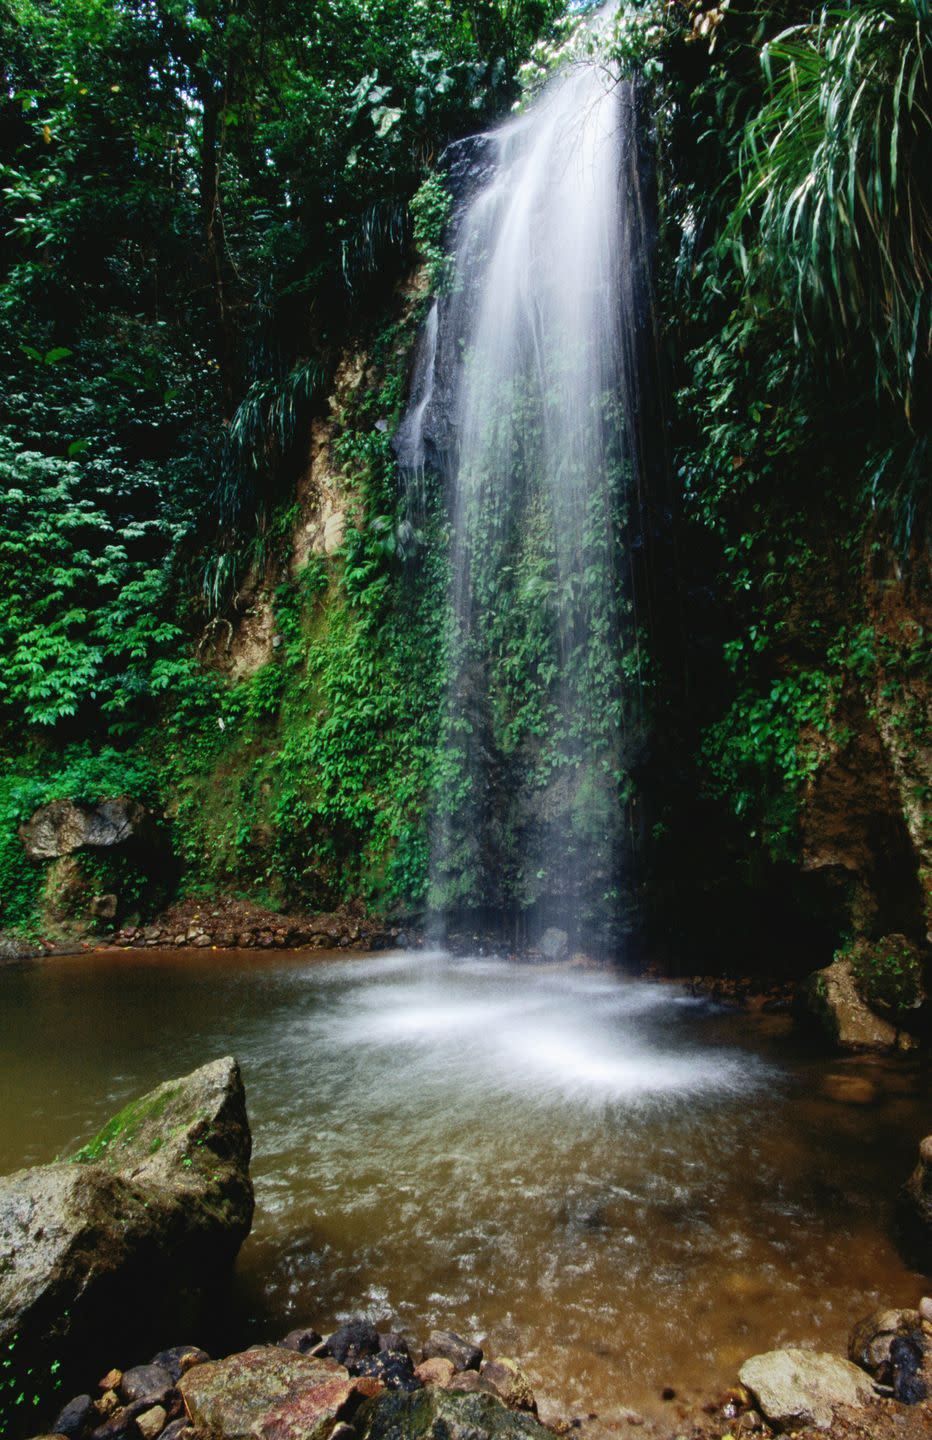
[525,398]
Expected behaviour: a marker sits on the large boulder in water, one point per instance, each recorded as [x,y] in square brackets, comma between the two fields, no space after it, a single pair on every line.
[154,1207]
[794,1388]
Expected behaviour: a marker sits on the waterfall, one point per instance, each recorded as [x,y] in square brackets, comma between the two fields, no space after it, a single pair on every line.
[525,398]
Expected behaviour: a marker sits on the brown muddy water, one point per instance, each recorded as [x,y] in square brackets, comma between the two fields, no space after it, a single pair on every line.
[627,1188]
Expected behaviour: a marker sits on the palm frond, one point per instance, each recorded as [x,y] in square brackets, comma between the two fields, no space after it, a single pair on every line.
[837,181]
[382,230]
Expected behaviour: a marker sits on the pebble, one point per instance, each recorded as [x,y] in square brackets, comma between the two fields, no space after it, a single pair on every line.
[152,1422]
[74,1416]
[436,1371]
[450,1346]
[111,1381]
[394,1343]
[107,1405]
[178,1430]
[146,1382]
[302,1340]
[179,1360]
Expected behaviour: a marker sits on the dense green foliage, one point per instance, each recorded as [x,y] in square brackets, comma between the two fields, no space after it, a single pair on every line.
[794,287]
[201,203]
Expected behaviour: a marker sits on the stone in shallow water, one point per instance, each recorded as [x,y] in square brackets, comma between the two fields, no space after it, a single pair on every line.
[270,1392]
[909,1369]
[178,1359]
[511,1383]
[394,1343]
[396,1372]
[872,1337]
[449,1346]
[804,1387]
[303,1340]
[353,1341]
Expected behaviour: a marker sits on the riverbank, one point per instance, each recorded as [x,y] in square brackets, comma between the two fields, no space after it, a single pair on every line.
[359,1383]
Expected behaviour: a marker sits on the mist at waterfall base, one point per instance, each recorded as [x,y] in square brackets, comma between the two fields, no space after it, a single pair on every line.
[620,1185]
[525,402]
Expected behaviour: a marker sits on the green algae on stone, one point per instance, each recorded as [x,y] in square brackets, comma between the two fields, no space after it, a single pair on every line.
[123,1129]
[436,1414]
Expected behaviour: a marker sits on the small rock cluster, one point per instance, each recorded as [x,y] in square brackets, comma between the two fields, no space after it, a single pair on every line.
[229,924]
[360,1384]
[137,1404]
[304,1388]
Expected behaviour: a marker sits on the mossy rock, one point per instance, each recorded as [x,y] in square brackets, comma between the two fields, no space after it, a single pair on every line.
[832,999]
[146,1215]
[888,974]
[434,1414]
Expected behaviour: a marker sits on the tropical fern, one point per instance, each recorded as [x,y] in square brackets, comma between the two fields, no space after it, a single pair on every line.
[838,182]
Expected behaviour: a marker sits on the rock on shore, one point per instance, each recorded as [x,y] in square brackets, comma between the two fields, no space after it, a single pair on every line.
[448,1413]
[156,1204]
[804,1387]
[272,1391]
[832,998]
